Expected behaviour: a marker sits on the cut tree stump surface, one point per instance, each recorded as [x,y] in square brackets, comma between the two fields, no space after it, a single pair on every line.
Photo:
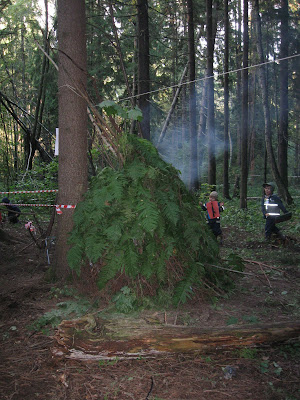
[124,337]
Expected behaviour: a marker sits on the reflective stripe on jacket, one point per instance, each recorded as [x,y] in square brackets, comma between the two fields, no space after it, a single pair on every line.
[272,205]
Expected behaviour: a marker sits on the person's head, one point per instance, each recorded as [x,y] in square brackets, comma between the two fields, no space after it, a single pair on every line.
[5,200]
[269,188]
[213,196]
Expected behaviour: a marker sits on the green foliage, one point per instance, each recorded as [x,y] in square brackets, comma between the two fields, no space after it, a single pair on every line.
[140,221]
[232,321]
[67,309]
[125,301]
[107,363]
[247,353]
[247,219]
[252,319]
[113,109]
[235,262]
[267,366]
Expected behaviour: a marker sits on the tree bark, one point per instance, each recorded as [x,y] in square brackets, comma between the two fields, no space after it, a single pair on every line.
[210,96]
[244,133]
[226,104]
[91,338]
[268,130]
[193,176]
[239,81]
[284,112]
[72,173]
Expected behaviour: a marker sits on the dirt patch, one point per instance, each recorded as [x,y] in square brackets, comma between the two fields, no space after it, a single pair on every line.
[267,292]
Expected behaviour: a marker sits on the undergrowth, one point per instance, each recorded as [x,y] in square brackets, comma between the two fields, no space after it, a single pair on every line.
[69,309]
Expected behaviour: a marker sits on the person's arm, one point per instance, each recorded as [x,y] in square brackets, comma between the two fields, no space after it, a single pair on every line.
[281,205]
[203,206]
[263,207]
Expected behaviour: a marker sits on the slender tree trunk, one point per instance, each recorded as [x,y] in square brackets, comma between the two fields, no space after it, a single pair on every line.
[41,92]
[173,105]
[239,81]
[143,66]
[119,50]
[284,113]
[72,174]
[244,137]
[226,103]
[193,181]
[210,96]
[252,127]
[268,130]
[201,136]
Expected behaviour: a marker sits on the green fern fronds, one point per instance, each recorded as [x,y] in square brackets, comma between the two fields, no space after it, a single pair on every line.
[75,257]
[110,269]
[148,216]
[139,222]
[184,289]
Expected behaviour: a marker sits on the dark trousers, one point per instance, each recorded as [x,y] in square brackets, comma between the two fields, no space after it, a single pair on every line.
[215,226]
[270,227]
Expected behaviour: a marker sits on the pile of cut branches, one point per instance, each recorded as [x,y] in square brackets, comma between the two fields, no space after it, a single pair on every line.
[139,226]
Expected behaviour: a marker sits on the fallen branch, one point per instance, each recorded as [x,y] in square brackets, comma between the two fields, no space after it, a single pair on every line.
[96,338]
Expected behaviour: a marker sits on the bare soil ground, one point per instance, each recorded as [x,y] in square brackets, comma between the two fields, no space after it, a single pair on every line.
[268,293]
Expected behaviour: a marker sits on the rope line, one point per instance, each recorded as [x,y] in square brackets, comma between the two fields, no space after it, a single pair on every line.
[30,191]
[217,74]
[40,205]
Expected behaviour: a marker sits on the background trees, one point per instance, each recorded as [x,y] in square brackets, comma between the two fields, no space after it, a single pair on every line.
[156,64]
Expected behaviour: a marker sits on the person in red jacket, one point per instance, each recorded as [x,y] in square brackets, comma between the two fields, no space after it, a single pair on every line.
[214,208]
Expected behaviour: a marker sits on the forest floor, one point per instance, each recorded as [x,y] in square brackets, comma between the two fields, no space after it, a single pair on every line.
[269,293]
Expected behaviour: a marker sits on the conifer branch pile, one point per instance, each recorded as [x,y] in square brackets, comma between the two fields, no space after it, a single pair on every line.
[140,226]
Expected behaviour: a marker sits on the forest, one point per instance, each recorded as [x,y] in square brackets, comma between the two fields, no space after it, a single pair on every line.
[206,127]
[118,118]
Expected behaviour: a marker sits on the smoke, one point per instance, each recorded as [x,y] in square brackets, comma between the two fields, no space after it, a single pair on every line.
[175,149]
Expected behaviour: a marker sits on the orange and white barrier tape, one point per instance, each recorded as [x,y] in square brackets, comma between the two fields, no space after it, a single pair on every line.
[60,206]
[31,191]
[57,206]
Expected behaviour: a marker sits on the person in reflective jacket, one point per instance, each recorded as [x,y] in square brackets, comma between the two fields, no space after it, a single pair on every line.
[213,208]
[271,205]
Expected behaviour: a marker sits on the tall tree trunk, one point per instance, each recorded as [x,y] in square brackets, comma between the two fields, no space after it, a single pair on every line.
[252,127]
[143,66]
[244,137]
[283,117]
[268,130]
[201,137]
[226,101]
[193,180]
[72,174]
[239,81]
[210,96]
[119,51]
[202,126]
